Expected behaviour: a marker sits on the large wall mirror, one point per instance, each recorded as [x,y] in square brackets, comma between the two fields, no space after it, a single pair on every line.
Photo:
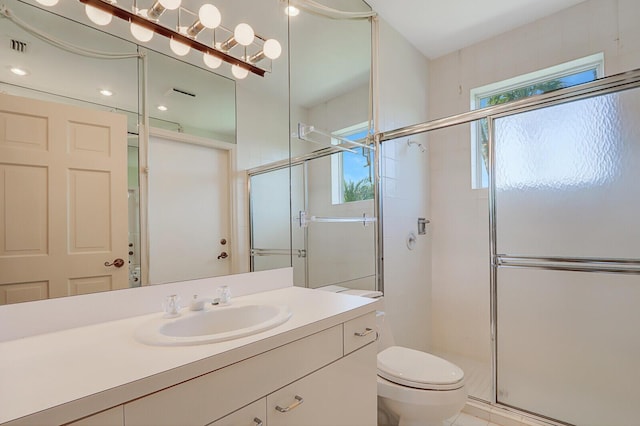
[208,137]
[184,212]
[331,169]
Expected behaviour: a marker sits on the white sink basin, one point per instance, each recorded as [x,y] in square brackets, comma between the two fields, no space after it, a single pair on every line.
[214,325]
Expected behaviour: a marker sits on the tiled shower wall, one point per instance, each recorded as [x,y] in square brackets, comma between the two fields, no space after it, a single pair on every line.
[403,84]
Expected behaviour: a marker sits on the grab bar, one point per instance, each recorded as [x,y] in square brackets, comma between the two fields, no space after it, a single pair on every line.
[278,252]
[305,219]
[573,264]
[304,130]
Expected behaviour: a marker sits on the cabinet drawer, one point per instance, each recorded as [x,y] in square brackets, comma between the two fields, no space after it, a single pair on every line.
[252,415]
[214,395]
[111,417]
[341,394]
[359,331]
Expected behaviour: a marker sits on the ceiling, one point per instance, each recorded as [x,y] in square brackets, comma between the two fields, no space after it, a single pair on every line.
[438,27]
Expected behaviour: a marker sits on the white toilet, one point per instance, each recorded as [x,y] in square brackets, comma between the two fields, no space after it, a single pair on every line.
[414,388]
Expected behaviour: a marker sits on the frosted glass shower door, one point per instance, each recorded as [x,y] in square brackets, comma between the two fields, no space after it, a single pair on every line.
[270,220]
[567,210]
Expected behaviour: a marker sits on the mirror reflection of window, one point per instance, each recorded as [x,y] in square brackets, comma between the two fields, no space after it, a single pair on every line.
[352,171]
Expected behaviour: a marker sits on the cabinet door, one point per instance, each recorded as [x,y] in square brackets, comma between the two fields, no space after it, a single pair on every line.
[342,394]
[111,417]
[254,414]
[199,401]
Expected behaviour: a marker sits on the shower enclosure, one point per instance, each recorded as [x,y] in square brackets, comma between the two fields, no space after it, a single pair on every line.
[561,279]
[332,242]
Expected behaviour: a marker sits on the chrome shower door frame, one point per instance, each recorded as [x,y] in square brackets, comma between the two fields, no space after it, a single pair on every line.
[607,85]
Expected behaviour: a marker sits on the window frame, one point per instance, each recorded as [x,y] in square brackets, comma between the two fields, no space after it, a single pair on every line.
[587,63]
[337,166]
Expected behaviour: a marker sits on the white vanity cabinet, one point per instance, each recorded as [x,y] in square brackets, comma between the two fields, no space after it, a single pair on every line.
[341,394]
[254,414]
[318,369]
[111,417]
[306,382]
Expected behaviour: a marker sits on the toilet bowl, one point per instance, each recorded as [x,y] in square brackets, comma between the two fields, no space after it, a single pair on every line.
[414,388]
[418,388]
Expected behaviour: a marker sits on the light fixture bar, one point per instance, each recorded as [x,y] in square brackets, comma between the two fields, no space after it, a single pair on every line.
[169,33]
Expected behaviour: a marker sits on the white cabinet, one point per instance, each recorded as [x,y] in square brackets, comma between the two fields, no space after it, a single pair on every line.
[341,394]
[311,381]
[252,415]
[359,332]
[111,417]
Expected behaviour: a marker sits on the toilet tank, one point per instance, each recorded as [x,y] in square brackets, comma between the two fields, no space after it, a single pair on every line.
[385,338]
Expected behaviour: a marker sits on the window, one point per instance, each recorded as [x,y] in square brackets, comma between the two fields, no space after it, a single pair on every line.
[352,172]
[536,83]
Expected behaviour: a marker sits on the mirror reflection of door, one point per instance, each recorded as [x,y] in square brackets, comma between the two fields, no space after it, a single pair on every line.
[189,195]
[63,200]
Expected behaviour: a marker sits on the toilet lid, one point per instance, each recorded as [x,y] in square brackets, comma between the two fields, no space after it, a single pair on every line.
[417,369]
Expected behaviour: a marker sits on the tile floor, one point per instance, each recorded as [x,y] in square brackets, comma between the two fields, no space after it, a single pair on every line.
[477,374]
[464,419]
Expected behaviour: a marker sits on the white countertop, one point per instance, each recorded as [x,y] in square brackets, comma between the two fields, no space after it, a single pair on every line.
[93,368]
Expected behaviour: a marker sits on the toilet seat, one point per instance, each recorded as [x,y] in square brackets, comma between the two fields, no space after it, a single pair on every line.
[420,370]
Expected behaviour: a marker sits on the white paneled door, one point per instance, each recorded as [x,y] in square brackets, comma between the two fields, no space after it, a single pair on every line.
[189,230]
[63,200]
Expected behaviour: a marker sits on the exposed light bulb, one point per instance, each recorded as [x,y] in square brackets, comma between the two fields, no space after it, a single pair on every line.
[239,72]
[209,16]
[272,49]
[244,34]
[211,61]
[291,11]
[19,71]
[178,47]
[97,16]
[48,2]
[170,4]
[141,33]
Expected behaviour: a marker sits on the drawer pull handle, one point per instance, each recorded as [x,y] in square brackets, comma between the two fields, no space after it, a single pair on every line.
[257,421]
[294,405]
[366,332]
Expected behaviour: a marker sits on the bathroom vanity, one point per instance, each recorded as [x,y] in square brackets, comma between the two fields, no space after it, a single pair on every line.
[317,368]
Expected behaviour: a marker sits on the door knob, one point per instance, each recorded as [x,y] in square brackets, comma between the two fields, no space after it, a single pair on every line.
[223,255]
[118,263]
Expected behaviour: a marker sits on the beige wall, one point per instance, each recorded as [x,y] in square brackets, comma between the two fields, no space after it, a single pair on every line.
[405,180]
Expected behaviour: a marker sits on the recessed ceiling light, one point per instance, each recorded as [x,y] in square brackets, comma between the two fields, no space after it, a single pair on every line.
[162,108]
[19,71]
[292,11]
[106,92]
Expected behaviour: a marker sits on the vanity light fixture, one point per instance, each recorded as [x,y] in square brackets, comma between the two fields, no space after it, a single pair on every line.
[239,72]
[241,48]
[178,47]
[48,3]
[208,17]
[19,71]
[158,8]
[141,33]
[243,34]
[98,16]
[291,11]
